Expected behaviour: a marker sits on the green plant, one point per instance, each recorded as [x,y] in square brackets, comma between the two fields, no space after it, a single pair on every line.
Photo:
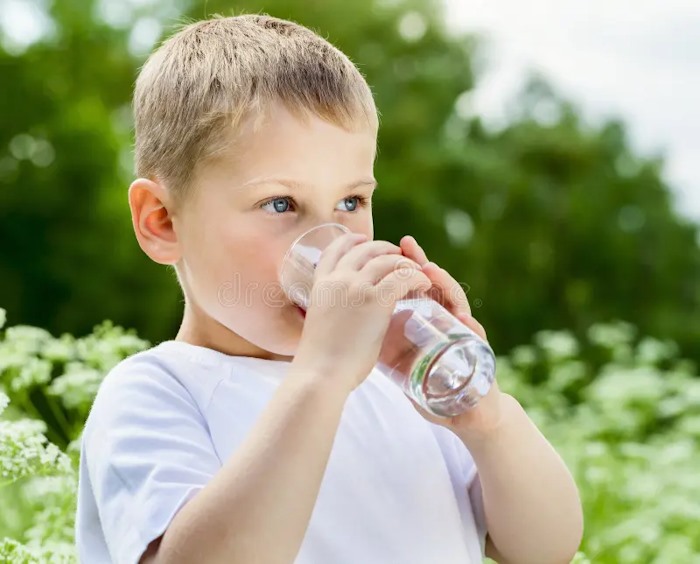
[47,385]
[626,420]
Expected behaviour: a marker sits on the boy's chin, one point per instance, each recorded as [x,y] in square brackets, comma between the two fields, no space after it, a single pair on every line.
[275,331]
[283,339]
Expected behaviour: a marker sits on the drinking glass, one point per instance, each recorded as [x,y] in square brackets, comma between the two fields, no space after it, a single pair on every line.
[436,360]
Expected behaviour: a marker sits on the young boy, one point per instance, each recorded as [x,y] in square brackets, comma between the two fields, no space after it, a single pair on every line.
[259,435]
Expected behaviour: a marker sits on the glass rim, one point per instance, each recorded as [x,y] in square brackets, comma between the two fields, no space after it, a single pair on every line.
[300,237]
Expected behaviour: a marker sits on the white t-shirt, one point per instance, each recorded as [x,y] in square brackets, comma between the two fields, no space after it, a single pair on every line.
[397,488]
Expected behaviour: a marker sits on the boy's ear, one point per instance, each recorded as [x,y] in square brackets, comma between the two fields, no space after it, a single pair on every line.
[151,217]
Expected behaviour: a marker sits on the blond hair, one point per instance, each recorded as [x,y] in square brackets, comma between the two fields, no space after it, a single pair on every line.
[211,75]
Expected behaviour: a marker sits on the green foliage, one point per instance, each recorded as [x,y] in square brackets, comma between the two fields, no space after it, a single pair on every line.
[622,409]
[47,386]
[55,379]
[550,221]
[628,426]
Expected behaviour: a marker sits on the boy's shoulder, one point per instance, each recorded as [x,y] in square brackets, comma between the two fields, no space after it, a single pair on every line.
[165,374]
[168,361]
[176,371]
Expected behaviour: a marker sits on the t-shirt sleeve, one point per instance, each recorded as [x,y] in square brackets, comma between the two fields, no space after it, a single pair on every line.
[147,451]
[464,476]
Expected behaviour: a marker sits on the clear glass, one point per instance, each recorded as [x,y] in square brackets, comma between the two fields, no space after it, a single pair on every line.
[432,356]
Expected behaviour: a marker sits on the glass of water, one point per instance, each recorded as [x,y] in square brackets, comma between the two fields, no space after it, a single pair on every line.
[432,356]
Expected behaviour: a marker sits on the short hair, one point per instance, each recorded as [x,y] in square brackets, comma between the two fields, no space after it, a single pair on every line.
[203,81]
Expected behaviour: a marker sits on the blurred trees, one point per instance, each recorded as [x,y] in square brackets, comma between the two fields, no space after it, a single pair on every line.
[67,257]
[550,221]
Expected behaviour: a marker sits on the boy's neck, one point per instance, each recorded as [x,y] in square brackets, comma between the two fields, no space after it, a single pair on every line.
[199,329]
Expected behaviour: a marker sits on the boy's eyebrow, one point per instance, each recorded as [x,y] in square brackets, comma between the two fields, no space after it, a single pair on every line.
[294,185]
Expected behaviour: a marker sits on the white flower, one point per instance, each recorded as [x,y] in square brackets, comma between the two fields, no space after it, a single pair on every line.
[652,351]
[13,551]
[618,388]
[34,372]
[54,552]
[3,317]
[557,344]
[611,335]
[4,402]
[10,359]
[24,451]
[43,487]
[26,338]
[77,387]
[107,346]
[60,350]
[523,356]
[567,374]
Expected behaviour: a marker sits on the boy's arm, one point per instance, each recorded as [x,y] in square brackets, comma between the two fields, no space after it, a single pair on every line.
[533,511]
[258,506]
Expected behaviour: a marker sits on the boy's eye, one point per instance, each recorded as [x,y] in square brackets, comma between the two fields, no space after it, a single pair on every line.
[352,206]
[281,204]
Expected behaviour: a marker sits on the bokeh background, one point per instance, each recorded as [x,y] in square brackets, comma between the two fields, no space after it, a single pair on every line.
[553,218]
[544,153]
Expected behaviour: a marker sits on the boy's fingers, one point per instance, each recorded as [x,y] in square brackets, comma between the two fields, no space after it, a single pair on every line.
[358,256]
[414,249]
[335,251]
[447,290]
[474,325]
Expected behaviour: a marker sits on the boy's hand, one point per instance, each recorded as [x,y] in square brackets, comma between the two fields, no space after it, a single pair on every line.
[449,293]
[355,289]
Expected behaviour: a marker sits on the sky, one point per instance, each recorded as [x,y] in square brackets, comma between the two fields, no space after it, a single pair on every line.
[636,60]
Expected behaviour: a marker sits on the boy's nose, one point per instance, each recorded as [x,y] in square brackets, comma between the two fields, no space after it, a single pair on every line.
[322,219]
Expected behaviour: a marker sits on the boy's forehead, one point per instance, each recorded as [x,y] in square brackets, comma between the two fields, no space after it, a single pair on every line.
[282,142]
[276,118]
[297,186]
[295,153]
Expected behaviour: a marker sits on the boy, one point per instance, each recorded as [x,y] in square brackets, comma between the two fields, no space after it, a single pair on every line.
[261,436]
